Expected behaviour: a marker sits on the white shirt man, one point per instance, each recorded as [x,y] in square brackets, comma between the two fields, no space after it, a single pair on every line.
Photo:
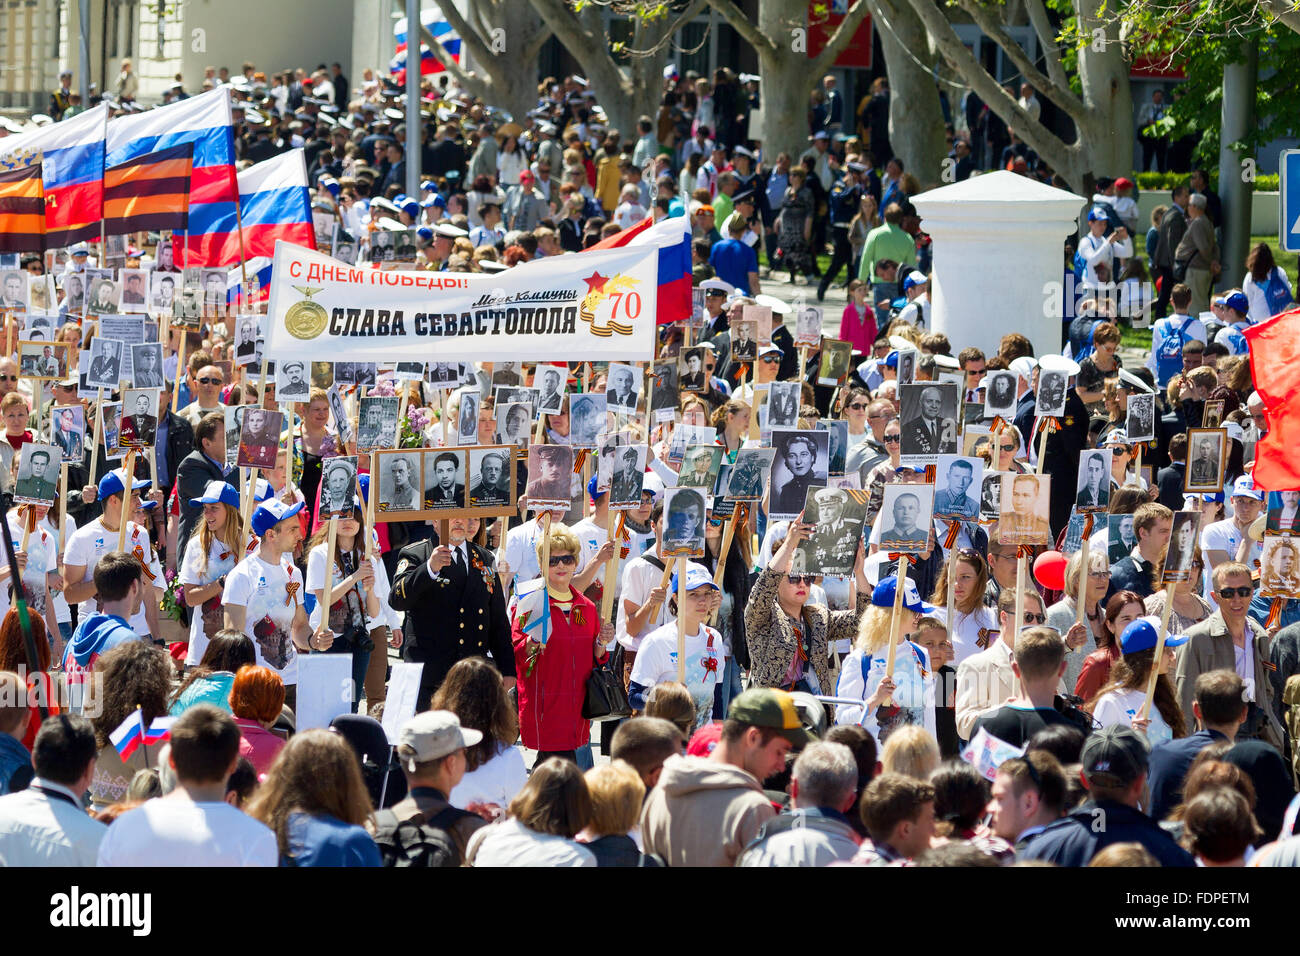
[1097,248]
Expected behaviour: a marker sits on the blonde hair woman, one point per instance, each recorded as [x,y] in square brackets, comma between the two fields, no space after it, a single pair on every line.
[552,685]
[617,792]
[912,751]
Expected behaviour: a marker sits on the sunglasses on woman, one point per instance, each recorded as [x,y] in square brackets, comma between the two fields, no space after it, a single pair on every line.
[892,439]
[797,579]
[716,522]
[563,559]
[858,407]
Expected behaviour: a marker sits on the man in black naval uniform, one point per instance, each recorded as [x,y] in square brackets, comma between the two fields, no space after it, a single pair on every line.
[454,608]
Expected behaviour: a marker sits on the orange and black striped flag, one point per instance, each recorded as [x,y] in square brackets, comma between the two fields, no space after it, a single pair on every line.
[22,209]
[149,192]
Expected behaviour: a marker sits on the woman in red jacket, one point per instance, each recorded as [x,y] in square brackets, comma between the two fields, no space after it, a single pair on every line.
[553,677]
[1123,608]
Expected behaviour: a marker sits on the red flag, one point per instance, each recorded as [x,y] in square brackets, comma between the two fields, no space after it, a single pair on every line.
[1275,366]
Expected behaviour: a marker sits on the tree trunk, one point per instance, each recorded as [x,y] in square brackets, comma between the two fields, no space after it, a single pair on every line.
[1107,138]
[916,130]
[1240,79]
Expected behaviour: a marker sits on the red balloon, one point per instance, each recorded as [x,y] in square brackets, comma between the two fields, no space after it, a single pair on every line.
[1049,570]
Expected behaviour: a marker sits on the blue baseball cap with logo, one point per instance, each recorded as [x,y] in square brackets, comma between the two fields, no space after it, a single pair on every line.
[1238,302]
[1096,214]
[111,484]
[270,513]
[696,577]
[1142,635]
[1245,487]
[886,591]
[218,492]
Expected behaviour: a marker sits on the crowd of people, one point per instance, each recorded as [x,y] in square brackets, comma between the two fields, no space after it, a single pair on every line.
[776,716]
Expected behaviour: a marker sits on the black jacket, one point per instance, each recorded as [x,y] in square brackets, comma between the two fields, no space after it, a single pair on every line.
[1170,483]
[447,621]
[180,442]
[1076,839]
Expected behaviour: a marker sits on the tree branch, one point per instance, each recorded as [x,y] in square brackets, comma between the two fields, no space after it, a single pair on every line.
[740,23]
[575,36]
[473,83]
[468,35]
[840,38]
[1062,96]
[687,15]
[1047,37]
[1047,144]
[1284,11]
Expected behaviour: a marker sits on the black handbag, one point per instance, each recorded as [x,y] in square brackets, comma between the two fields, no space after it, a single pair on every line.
[606,699]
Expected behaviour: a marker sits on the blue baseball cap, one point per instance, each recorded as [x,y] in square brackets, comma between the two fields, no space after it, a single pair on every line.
[215,492]
[1142,635]
[1238,302]
[435,200]
[891,360]
[696,577]
[883,596]
[111,484]
[262,490]
[270,513]
[425,233]
[592,493]
[915,278]
[1095,214]
[1215,496]
[428,186]
[409,206]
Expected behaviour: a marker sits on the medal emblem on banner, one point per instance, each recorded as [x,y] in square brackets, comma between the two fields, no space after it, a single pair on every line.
[306,319]
[626,300]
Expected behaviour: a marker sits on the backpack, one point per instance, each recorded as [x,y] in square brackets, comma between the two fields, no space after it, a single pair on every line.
[414,842]
[1276,293]
[1291,705]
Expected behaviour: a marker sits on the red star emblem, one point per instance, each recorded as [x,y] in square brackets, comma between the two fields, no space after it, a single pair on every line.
[595,282]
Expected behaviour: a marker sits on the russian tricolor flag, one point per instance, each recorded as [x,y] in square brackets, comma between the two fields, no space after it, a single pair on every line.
[71,153]
[673,237]
[203,120]
[275,205]
[441,31]
[129,734]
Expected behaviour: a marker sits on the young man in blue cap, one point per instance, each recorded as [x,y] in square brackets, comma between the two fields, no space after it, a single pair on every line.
[89,543]
[264,596]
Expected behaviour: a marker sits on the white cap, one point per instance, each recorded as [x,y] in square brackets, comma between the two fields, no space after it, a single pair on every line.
[900,343]
[1059,363]
[773,303]
[946,361]
[1024,366]
[722,285]
[449,231]
[1130,381]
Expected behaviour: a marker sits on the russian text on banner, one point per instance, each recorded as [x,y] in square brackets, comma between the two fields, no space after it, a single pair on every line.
[589,307]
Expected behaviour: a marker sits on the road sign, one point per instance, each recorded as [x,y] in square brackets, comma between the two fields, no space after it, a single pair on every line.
[1289,198]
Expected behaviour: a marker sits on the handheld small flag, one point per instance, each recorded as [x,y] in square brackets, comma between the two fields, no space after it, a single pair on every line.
[129,734]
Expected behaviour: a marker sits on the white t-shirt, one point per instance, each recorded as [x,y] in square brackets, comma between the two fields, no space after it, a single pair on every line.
[965,634]
[656,661]
[90,543]
[62,613]
[205,621]
[316,582]
[510,843]
[262,590]
[42,558]
[495,782]
[176,831]
[1121,706]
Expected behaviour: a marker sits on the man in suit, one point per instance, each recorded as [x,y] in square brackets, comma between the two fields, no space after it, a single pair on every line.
[36,485]
[107,366]
[552,397]
[133,289]
[1095,493]
[1287,517]
[1170,479]
[928,433]
[782,406]
[446,492]
[835,536]
[492,487]
[1205,466]
[954,499]
[907,532]
[743,346]
[620,392]
[454,608]
[205,463]
[1002,391]
[68,436]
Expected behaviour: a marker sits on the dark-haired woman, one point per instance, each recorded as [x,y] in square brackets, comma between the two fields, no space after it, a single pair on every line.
[494,767]
[211,680]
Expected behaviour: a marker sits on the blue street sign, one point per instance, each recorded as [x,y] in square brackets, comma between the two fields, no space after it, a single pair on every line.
[1289,199]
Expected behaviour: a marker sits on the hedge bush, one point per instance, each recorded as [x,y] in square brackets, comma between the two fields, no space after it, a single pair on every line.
[1163,182]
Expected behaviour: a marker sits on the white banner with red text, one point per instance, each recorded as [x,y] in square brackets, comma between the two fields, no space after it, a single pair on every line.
[598,306]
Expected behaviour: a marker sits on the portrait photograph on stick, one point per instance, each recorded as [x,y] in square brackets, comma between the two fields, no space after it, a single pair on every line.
[930,426]
[905,517]
[1279,575]
[1093,492]
[837,516]
[684,511]
[259,438]
[957,483]
[1025,505]
[491,480]
[338,485]
[802,461]
[140,417]
[1206,456]
[550,477]
[399,482]
[445,472]
[1183,542]
[749,474]
[38,474]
